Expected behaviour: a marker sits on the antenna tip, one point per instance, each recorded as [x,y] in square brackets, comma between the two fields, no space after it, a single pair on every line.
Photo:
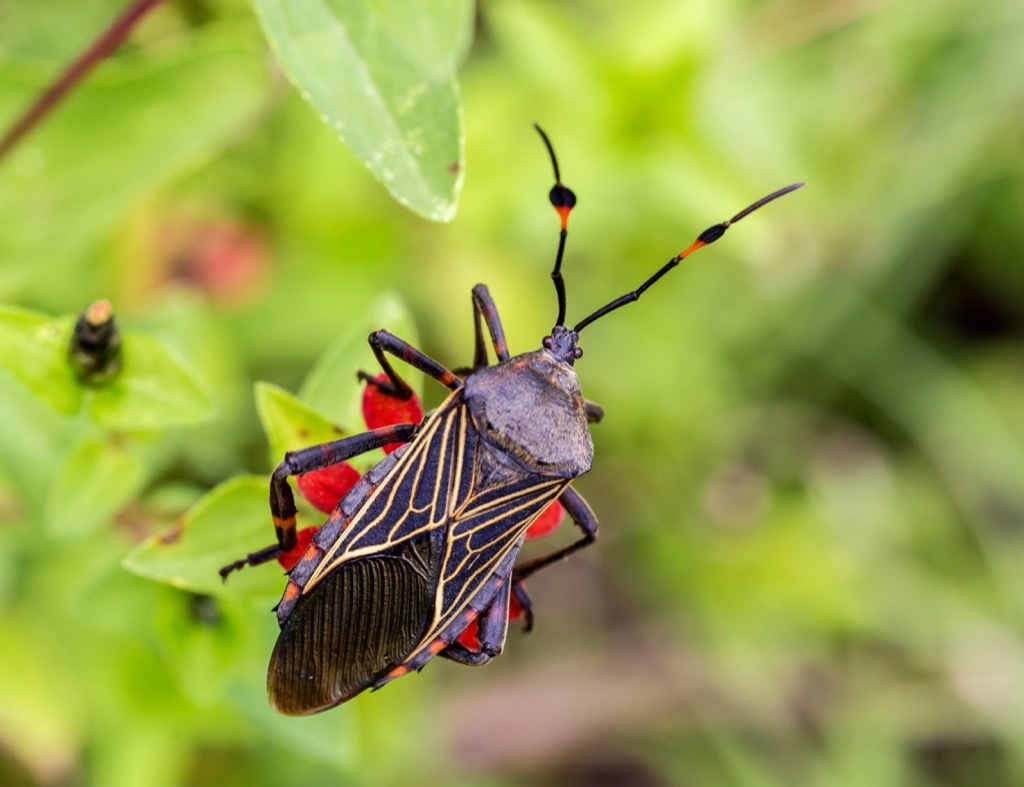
[786,190]
[763,201]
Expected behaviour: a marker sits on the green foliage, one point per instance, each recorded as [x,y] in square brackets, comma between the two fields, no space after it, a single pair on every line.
[34,349]
[138,124]
[328,386]
[95,480]
[190,554]
[152,391]
[289,423]
[382,75]
[808,478]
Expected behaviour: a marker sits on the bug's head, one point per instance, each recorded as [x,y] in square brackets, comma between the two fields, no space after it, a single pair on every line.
[563,342]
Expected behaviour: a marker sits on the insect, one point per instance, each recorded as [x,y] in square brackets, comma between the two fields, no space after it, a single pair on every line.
[426,542]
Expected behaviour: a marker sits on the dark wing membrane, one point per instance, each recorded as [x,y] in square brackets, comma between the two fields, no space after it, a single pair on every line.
[356,624]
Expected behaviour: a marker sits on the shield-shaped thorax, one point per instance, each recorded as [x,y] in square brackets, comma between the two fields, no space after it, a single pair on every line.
[531,410]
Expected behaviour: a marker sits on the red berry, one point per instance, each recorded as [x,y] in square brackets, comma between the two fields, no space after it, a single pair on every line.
[324,488]
[549,519]
[380,409]
[468,637]
[515,610]
[291,557]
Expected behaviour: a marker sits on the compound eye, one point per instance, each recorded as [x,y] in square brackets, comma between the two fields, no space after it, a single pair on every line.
[547,342]
[578,353]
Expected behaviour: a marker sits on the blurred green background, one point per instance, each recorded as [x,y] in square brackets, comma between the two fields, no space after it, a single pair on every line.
[809,476]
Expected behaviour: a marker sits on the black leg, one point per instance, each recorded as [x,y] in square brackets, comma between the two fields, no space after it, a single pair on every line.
[483,307]
[492,627]
[383,342]
[317,457]
[519,589]
[595,413]
[584,518]
[265,555]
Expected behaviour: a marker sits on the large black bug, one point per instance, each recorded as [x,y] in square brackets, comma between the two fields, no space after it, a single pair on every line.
[426,542]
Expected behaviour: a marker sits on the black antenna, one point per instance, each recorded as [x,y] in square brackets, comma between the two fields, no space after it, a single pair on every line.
[710,235]
[563,200]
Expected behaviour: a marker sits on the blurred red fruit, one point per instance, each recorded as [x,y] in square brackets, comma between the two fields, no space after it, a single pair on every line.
[223,257]
[379,410]
[324,488]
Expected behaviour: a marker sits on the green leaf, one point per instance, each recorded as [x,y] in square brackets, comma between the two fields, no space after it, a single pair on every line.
[33,348]
[204,640]
[435,34]
[328,739]
[152,391]
[331,386]
[290,424]
[35,438]
[381,74]
[95,480]
[220,529]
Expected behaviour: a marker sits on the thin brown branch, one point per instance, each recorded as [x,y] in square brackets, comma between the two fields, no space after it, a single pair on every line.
[101,48]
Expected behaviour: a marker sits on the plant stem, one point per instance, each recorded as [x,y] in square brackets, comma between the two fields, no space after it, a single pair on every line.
[103,46]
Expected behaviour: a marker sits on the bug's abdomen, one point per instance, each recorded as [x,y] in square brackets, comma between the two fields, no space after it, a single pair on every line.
[358,623]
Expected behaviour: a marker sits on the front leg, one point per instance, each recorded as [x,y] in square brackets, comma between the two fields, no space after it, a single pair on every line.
[384,342]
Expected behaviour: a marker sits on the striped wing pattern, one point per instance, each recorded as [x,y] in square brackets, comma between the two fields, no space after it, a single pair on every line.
[412,553]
